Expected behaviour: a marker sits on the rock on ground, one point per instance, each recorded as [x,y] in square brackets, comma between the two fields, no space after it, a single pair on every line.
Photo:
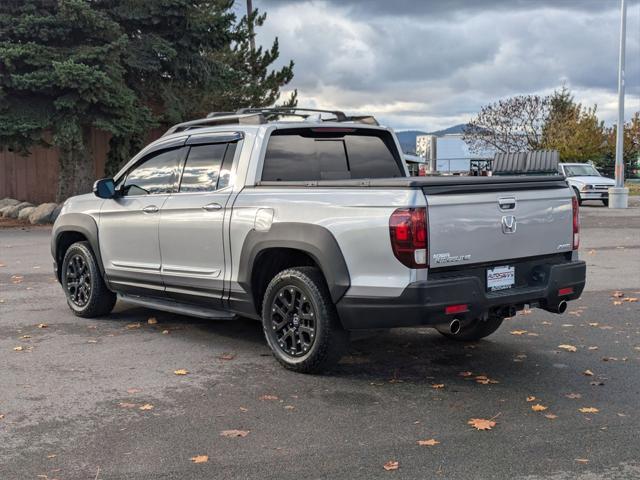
[12,212]
[8,202]
[25,212]
[42,213]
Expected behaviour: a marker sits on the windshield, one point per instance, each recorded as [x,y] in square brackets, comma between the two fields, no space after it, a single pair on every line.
[580,171]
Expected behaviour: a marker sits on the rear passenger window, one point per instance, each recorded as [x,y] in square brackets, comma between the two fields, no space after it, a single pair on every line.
[330,154]
[202,168]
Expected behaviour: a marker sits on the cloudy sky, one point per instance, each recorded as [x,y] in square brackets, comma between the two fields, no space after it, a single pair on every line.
[430,64]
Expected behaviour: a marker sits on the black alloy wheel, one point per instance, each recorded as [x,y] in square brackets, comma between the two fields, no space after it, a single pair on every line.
[293,320]
[87,294]
[78,280]
[300,321]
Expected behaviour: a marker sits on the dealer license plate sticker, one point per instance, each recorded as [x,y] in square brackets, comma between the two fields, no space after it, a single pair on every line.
[501,278]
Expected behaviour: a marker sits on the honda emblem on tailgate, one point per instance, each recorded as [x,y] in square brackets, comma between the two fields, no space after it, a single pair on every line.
[508,224]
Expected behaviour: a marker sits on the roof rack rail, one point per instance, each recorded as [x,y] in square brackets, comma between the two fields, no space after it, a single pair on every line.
[257,116]
[218,118]
[339,116]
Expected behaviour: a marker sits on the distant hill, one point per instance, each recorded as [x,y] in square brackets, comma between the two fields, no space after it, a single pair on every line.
[407,138]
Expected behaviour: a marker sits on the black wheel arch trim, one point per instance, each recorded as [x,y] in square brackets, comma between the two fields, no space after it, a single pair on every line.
[314,240]
[78,223]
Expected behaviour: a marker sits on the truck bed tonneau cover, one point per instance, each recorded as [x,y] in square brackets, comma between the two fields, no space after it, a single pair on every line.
[436,185]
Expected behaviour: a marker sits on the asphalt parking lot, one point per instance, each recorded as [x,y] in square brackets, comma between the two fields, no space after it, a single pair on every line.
[99,399]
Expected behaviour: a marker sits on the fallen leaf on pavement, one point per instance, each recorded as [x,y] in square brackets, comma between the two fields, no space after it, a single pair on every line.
[16,278]
[568,348]
[25,336]
[481,423]
[200,459]
[227,356]
[391,465]
[631,299]
[234,433]
[538,408]
[428,443]
[617,294]
[593,324]
[244,409]
[531,398]
[43,325]
[1,416]
[146,406]
[617,302]
[589,410]
[132,326]
[588,373]
[465,374]
[165,332]
[550,416]
[152,320]
[268,397]
[126,405]
[582,460]
[593,347]
[437,386]
[181,371]
[518,332]
[573,395]
[18,349]
[484,380]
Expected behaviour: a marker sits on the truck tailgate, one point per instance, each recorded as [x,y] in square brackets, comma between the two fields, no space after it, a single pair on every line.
[492,224]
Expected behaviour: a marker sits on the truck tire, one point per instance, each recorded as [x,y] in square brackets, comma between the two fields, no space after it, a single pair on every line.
[605,202]
[300,321]
[87,295]
[474,331]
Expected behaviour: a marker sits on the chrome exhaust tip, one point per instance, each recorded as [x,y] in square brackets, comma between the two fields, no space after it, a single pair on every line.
[562,307]
[455,326]
[559,308]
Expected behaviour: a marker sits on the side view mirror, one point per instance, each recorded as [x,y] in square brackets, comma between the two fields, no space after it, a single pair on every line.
[104,188]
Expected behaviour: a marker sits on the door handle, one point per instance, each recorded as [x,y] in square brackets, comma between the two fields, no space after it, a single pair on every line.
[150,209]
[211,207]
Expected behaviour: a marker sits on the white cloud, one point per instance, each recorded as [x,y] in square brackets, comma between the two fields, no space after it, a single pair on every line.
[416,68]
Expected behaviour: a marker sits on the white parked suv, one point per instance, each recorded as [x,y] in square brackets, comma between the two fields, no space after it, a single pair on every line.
[586,181]
[314,228]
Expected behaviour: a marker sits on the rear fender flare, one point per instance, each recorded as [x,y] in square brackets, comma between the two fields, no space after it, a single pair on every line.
[314,240]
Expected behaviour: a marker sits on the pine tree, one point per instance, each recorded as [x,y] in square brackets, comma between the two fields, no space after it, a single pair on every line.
[187,58]
[60,75]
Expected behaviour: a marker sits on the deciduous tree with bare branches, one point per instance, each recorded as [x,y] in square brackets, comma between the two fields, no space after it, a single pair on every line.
[510,125]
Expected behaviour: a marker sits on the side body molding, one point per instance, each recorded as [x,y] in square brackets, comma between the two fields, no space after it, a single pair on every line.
[81,223]
[315,240]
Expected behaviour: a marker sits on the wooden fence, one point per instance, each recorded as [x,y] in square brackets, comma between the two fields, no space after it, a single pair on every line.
[34,178]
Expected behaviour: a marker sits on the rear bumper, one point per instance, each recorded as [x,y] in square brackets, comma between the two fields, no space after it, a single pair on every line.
[423,303]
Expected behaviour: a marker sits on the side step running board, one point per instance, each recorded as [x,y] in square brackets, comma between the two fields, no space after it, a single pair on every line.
[176,307]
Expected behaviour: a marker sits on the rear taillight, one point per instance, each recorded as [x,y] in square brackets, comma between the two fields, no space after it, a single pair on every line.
[408,231]
[576,222]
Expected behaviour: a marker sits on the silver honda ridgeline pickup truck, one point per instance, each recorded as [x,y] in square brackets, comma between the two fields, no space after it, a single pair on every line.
[313,227]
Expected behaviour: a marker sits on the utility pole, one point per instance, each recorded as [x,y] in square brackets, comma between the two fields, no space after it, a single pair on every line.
[252,41]
[618,195]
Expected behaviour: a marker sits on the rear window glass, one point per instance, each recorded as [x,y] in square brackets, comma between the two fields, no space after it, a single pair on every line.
[330,154]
